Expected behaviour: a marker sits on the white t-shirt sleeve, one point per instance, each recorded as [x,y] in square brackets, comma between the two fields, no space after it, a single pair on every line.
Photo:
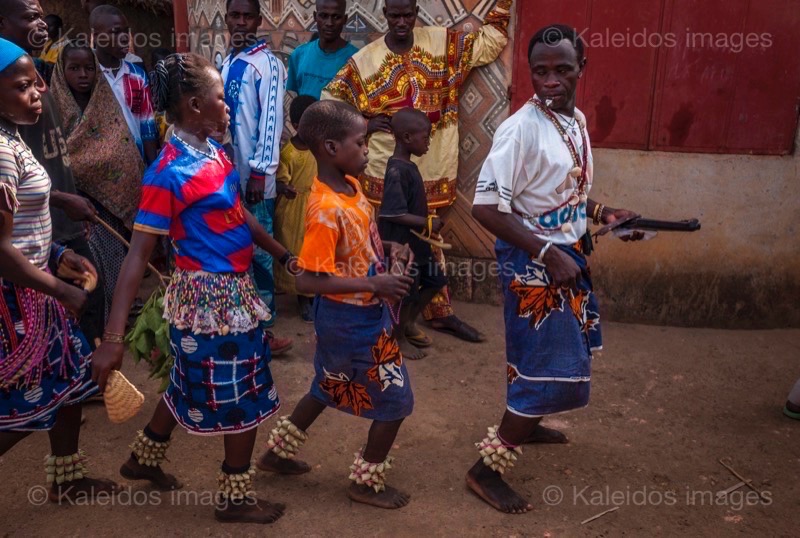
[504,172]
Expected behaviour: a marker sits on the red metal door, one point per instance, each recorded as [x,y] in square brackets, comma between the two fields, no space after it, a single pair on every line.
[679,75]
[731,84]
[616,91]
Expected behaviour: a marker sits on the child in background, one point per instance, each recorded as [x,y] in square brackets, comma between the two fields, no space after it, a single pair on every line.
[111,34]
[221,382]
[405,208]
[358,366]
[105,161]
[296,172]
[55,41]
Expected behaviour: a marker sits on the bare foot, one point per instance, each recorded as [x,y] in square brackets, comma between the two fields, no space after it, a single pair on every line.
[250,510]
[489,486]
[133,470]
[546,436]
[410,351]
[417,336]
[388,498]
[272,463]
[85,488]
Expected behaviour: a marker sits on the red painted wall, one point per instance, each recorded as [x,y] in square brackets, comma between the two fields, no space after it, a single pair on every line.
[679,75]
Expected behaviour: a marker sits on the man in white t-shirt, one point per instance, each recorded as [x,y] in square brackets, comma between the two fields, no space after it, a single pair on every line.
[533,194]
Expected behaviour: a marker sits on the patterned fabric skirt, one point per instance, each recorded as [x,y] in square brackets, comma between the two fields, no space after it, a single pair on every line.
[358,365]
[550,334]
[63,376]
[221,384]
[108,252]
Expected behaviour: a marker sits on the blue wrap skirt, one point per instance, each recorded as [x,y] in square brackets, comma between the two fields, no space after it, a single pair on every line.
[358,365]
[550,334]
[221,384]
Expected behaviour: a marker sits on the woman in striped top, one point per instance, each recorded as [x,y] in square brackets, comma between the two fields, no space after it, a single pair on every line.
[45,369]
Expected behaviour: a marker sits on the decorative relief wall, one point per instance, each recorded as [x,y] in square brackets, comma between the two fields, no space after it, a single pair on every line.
[289,23]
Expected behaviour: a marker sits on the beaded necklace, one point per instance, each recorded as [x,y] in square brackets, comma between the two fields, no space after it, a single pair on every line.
[578,171]
[394,309]
[212,153]
[383,267]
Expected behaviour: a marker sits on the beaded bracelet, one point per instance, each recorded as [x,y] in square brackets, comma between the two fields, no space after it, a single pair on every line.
[598,213]
[113,338]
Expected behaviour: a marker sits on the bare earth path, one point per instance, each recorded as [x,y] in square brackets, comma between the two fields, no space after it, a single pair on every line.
[667,403]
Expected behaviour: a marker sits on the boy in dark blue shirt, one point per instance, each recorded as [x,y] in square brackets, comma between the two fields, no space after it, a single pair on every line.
[404,208]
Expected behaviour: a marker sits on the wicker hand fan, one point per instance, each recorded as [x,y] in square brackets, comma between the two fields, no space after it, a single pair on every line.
[87,279]
[122,399]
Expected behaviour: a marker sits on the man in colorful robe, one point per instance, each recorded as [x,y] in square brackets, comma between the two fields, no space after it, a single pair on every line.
[424,68]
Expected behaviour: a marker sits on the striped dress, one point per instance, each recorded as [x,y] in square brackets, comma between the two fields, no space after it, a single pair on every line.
[44,358]
[25,189]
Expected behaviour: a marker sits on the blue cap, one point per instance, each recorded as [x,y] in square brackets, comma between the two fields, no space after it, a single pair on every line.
[9,53]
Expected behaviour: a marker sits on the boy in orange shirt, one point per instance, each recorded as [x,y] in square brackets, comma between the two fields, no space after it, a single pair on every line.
[358,364]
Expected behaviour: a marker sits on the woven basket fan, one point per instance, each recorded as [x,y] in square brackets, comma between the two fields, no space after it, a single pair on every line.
[122,399]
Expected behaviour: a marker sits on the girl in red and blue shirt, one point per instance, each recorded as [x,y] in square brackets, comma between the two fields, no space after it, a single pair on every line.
[221,382]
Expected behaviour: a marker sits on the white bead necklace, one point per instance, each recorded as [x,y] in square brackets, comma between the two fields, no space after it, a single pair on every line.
[212,154]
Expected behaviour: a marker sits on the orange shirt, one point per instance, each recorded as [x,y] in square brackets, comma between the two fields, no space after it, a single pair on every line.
[341,238]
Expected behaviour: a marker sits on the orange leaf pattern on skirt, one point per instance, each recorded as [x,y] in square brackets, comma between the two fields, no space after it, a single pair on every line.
[346,393]
[388,361]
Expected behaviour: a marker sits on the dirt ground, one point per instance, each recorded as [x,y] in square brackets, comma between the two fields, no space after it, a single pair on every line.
[667,404]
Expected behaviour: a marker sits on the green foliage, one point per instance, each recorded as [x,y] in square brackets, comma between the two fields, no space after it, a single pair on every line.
[148,340]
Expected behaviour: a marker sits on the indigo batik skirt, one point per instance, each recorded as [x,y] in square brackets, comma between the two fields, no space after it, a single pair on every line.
[44,358]
[358,365]
[550,334]
[221,384]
